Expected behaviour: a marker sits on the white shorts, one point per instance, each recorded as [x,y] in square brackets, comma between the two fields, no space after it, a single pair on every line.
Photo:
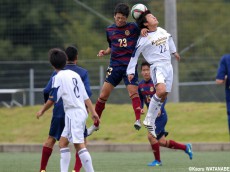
[162,73]
[75,121]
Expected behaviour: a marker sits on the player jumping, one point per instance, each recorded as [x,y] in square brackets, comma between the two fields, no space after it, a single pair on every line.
[156,48]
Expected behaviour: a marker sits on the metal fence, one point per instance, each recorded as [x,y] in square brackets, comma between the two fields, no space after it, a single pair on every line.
[27,32]
[31,77]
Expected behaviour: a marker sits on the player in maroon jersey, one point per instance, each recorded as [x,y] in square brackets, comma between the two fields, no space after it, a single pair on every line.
[122,37]
[146,91]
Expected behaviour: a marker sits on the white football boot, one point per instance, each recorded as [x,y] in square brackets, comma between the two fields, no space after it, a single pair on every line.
[91,129]
[137,124]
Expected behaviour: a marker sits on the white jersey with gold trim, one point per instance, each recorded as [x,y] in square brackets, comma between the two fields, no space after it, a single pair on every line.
[156,47]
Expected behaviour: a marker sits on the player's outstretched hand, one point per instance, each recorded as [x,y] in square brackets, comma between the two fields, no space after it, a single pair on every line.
[144,32]
[101,53]
[130,77]
[39,114]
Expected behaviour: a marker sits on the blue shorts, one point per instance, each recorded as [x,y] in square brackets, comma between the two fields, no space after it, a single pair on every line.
[160,123]
[56,127]
[115,74]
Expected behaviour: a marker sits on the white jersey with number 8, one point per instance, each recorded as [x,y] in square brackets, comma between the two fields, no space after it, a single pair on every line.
[71,89]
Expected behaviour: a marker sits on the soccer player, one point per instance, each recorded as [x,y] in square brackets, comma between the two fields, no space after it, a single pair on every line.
[156,48]
[223,76]
[58,119]
[122,37]
[68,85]
[146,91]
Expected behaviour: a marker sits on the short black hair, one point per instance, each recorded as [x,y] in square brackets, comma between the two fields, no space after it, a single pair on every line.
[144,63]
[122,8]
[142,19]
[71,53]
[57,58]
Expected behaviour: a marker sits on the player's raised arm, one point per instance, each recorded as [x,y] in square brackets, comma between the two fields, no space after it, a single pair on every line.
[144,32]
[133,61]
[172,48]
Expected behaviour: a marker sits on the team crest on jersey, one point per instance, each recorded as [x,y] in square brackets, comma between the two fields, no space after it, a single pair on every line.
[151,89]
[127,32]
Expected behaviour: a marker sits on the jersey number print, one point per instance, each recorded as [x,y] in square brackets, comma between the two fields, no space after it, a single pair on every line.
[123,42]
[76,89]
[162,48]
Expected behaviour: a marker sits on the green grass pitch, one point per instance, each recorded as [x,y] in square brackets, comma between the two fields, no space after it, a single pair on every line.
[187,122]
[173,161]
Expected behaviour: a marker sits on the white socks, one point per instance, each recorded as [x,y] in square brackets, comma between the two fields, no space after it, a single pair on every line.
[153,110]
[86,160]
[65,159]
[83,155]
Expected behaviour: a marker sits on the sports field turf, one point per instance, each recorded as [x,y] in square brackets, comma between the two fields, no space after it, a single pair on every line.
[173,161]
[187,122]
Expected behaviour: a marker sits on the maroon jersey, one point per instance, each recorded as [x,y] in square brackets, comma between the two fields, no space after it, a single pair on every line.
[122,41]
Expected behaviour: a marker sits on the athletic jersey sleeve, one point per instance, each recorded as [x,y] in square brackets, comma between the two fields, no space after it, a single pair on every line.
[48,87]
[56,91]
[222,70]
[108,40]
[133,61]
[87,84]
[172,47]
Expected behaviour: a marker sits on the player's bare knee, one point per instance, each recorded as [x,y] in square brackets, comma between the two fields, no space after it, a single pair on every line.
[104,96]
[133,95]
[161,90]
[49,144]
[151,139]
[63,143]
[162,143]
[160,93]
[79,146]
